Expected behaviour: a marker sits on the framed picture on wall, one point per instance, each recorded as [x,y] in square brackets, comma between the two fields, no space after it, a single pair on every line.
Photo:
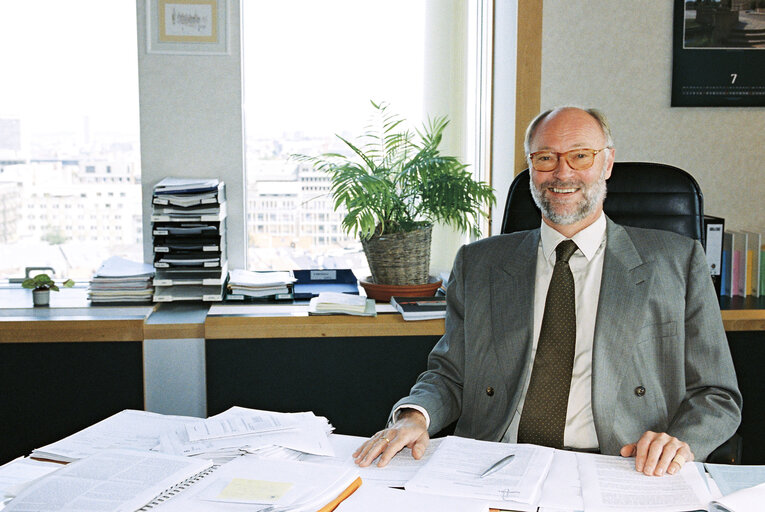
[718,53]
[191,27]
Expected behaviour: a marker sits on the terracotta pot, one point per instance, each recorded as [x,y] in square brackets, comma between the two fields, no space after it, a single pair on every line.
[383,292]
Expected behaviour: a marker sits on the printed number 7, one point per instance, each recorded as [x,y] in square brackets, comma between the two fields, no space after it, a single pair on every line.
[733,77]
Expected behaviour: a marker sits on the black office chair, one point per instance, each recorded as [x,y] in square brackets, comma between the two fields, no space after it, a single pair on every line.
[646,195]
[639,194]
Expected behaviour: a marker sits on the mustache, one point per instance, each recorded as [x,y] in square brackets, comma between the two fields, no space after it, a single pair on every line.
[562,184]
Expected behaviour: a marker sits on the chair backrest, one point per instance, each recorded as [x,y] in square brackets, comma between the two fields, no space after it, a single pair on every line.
[645,195]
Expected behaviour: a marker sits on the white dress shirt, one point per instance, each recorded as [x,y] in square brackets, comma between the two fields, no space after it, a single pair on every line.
[587,267]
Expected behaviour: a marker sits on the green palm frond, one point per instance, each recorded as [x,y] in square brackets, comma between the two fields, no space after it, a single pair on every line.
[397,180]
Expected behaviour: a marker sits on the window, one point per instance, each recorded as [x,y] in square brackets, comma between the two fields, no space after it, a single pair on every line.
[63,140]
[310,70]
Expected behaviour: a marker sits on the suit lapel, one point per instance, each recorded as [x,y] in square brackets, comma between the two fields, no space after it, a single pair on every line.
[512,304]
[623,291]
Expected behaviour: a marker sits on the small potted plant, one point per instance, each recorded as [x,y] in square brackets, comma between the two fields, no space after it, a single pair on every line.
[41,285]
[393,187]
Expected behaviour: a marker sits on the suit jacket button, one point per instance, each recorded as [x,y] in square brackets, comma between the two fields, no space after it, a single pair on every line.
[640,391]
[490,391]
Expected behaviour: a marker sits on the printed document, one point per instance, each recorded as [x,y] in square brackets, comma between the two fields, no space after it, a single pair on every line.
[610,483]
[397,473]
[113,480]
[456,466]
[128,429]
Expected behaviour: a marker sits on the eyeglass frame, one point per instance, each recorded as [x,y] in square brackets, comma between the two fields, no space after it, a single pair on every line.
[559,154]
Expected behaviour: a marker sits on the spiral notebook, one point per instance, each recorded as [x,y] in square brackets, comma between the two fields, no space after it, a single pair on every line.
[178,488]
[252,483]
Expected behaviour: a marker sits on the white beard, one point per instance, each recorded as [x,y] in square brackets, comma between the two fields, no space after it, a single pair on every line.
[594,195]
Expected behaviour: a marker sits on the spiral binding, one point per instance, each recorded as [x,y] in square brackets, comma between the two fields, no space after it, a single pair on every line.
[177,488]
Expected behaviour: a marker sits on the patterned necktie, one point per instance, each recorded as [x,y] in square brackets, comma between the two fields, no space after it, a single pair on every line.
[543,417]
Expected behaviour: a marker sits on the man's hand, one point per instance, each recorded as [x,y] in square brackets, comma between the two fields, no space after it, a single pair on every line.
[408,430]
[656,453]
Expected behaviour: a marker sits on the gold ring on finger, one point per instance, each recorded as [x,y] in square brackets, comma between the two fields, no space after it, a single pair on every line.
[385,439]
[679,459]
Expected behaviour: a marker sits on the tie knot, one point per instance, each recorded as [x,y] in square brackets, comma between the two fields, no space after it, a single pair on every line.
[564,250]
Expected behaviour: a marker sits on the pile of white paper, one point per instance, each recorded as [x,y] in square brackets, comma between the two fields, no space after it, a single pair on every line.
[333,303]
[128,429]
[122,280]
[259,284]
[240,430]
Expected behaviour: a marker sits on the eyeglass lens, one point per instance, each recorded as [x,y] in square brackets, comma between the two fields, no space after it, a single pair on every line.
[577,159]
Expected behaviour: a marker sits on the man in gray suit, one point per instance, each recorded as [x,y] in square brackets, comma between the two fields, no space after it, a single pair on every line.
[652,374]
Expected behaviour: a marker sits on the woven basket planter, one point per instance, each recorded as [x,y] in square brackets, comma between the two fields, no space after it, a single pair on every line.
[399,258]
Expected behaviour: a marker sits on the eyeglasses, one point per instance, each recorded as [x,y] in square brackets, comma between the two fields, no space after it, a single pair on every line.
[579,159]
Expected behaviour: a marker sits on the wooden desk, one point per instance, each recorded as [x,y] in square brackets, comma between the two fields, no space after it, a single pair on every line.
[292,321]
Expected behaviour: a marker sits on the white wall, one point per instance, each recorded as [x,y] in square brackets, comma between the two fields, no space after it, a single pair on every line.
[191,124]
[617,56]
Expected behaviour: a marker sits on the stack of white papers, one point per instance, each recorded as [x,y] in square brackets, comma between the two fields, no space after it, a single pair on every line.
[240,430]
[128,429]
[259,284]
[333,303]
[122,280]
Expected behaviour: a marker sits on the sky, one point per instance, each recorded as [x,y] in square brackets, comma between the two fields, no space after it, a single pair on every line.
[62,60]
[316,65]
[309,66]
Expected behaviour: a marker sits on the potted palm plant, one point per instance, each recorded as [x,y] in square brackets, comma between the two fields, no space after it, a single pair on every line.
[41,285]
[393,187]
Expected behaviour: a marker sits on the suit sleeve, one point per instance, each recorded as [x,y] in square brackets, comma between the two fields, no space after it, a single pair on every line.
[439,389]
[711,409]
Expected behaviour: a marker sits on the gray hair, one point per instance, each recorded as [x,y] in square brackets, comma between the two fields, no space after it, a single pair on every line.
[599,116]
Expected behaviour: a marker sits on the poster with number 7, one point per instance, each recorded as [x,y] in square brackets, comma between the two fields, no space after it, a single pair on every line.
[718,53]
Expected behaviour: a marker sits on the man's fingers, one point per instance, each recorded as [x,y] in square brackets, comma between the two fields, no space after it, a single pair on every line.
[377,444]
[656,460]
[408,431]
[419,446]
[628,450]
[657,453]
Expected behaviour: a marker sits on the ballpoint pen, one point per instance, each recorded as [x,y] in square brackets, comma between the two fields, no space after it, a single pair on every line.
[501,463]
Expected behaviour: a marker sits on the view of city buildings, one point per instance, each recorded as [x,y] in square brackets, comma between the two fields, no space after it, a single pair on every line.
[69,205]
[291,221]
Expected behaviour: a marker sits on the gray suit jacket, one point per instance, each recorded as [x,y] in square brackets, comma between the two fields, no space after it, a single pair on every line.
[658,328]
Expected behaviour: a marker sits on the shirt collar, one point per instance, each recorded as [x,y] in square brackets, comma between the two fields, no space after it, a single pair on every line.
[587,240]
